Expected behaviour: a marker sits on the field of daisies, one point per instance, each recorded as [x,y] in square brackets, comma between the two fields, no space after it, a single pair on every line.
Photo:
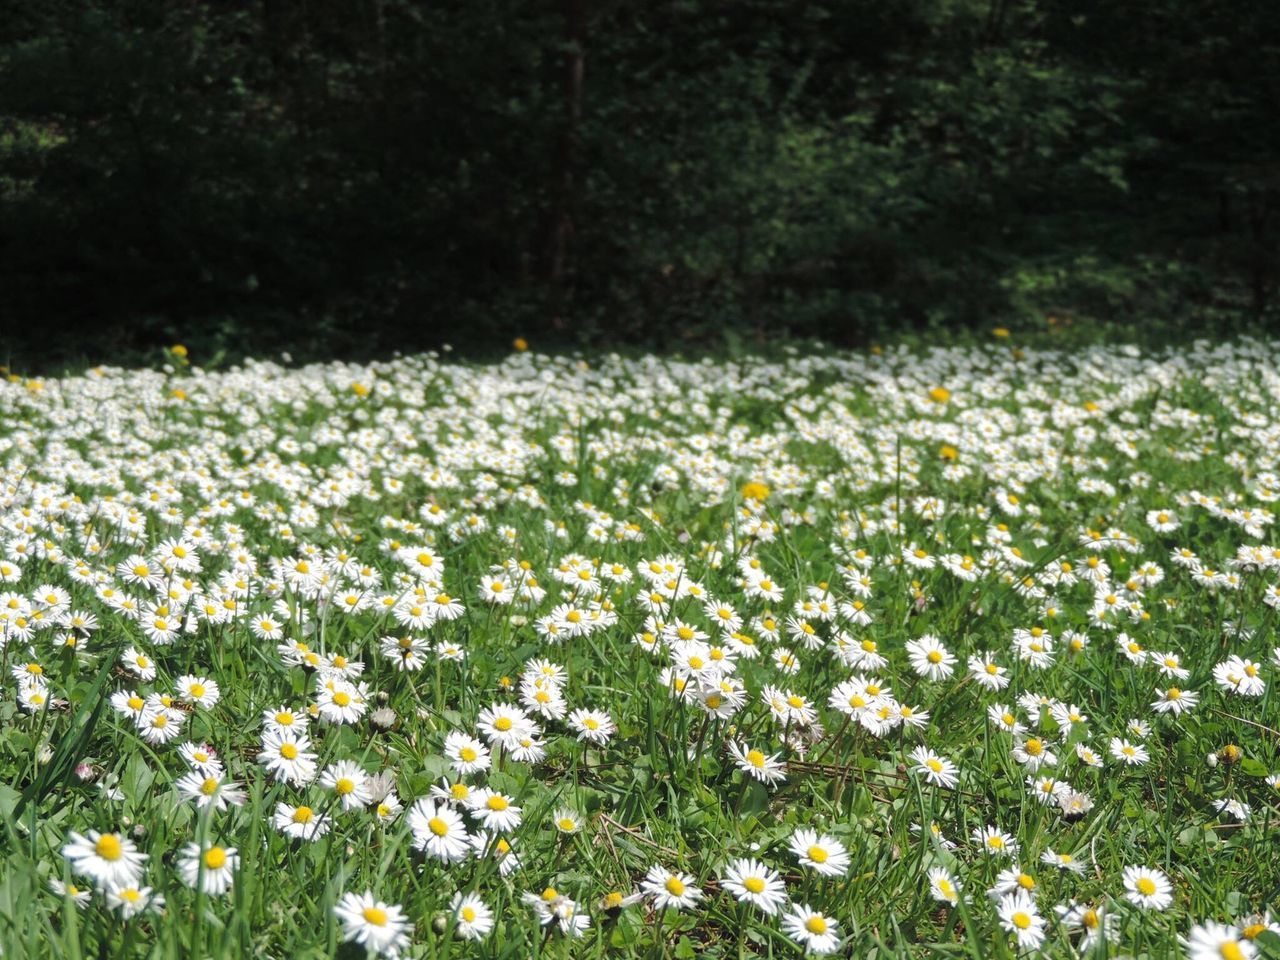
[947,653]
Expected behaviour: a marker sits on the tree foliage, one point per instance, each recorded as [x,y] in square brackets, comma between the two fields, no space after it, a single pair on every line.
[372,175]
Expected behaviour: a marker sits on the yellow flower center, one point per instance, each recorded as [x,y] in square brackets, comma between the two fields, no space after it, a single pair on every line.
[437,826]
[675,887]
[818,854]
[1146,886]
[376,916]
[109,847]
[344,786]
[816,925]
[215,858]
[303,815]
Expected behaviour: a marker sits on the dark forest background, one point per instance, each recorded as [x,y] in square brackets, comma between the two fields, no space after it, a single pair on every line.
[353,177]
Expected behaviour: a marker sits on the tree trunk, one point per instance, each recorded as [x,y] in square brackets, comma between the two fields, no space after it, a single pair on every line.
[559,266]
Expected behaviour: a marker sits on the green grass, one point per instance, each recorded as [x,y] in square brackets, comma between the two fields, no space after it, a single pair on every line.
[1090,439]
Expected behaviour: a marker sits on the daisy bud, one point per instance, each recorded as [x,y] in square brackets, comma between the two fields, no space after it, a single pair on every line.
[439,923]
[85,772]
[1211,760]
[384,718]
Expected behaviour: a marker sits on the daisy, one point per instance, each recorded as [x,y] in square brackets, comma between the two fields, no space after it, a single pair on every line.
[930,659]
[768,769]
[1087,756]
[1004,718]
[750,881]
[128,703]
[1148,888]
[812,929]
[820,853]
[212,868]
[300,822]
[1018,915]
[1176,701]
[201,691]
[108,859]
[381,928]
[943,886]
[1236,809]
[209,790]
[130,900]
[1033,754]
[438,831]
[285,719]
[287,756]
[139,664]
[1218,941]
[341,702]
[504,725]
[1063,861]
[201,758]
[936,769]
[467,754]
[987,674]
[1097,923]
[79,896]
[594,726]
[1010,880]
[668,889]
[494,810]
[349,782]
[787,707]
[551,906]
[995,842]
[471,917]
[616,900]
[1133,754]
[566,821]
